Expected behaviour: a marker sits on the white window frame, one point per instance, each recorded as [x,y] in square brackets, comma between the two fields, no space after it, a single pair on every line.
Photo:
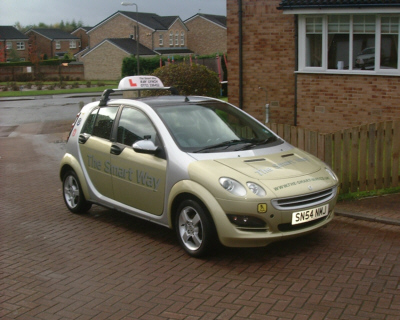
[177,38]
[72,44]
[58,44]
[161,40]
[9,45]
[171,39]
[21,45]
[302,68]
[182,38]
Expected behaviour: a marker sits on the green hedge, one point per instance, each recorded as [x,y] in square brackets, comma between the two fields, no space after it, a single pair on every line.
[52,62]
[190,80]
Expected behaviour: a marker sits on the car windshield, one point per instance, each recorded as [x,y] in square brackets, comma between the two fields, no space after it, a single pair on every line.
[214,127]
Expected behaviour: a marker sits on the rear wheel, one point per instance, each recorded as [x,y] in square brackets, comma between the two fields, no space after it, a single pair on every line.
[194,228]
[73,195]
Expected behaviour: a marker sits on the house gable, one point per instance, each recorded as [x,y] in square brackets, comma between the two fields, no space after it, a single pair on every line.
[207,34]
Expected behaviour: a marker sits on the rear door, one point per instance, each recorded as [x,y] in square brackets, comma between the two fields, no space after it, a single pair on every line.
[95,147]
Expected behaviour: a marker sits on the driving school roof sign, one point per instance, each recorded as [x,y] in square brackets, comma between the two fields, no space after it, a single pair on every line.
[140,82]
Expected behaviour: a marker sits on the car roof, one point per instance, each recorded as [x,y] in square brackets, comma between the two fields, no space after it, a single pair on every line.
[160,101]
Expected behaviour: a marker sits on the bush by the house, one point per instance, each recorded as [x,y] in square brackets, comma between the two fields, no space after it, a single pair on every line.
[190,80]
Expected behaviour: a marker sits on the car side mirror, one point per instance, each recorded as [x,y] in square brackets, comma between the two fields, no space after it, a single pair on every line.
[145,146]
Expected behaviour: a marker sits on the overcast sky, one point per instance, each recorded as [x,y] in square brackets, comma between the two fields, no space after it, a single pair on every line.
[91,12]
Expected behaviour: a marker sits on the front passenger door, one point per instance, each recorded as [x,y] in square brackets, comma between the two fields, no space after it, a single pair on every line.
[138,178]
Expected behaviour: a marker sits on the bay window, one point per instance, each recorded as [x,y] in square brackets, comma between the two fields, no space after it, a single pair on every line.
[362,43]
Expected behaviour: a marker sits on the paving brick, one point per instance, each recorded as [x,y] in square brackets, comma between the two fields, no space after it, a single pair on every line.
[107,265]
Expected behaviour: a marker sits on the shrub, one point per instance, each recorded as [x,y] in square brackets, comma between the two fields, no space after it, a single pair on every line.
[14,87]
[88,84]
[190,80]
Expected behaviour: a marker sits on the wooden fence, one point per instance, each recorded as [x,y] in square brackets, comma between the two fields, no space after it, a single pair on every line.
[365,158]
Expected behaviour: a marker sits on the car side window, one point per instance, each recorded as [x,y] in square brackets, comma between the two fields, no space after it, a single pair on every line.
[133,126]
[89,124]
[104,122]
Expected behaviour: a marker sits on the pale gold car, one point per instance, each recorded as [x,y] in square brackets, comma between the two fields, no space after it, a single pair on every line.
[197,165]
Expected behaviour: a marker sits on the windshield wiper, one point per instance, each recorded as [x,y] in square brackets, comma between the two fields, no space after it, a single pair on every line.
[257,143]
[221,145]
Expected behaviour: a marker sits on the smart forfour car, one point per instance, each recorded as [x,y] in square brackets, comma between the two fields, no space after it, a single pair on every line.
[197,165]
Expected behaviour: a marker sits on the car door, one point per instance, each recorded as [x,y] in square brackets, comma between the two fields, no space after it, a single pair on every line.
[138,178]
[95,147]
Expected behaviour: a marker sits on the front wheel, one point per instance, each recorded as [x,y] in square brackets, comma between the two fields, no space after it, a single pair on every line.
[194,228]
[73,195]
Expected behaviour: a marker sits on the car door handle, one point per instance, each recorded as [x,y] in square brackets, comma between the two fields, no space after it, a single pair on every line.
[83,138]
[116,149]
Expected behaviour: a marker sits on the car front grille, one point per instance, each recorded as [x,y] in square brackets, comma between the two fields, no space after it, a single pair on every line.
[304,201]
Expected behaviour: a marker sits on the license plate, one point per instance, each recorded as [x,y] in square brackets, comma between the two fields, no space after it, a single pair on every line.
[310,214]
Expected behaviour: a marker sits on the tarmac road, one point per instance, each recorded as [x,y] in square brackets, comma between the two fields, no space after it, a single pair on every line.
[107,265]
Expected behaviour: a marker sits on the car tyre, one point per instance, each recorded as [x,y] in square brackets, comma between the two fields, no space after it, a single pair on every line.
[73,195]
[194,228]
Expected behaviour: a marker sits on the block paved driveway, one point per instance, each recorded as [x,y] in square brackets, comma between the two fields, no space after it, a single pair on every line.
[107,265]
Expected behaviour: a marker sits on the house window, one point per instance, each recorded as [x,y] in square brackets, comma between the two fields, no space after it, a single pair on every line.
[182,38]
[72,44]
[389,43]
[314,42]
[171,39]
[177,38]
[161,40]
[349,43]
[58,45]
[20,45]
[338,41]
[8,45]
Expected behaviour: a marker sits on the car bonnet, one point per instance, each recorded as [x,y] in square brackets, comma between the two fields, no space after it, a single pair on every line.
[275,166]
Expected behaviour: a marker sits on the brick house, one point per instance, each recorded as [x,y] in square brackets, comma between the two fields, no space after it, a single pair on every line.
[207,34]
[104,61]
[13,44]
[82,34]
[53,42]
[156,35]
[323,65]
[155,32]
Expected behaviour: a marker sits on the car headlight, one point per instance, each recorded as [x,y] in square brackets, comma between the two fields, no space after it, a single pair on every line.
[331,173]
[232,186]
[256,189]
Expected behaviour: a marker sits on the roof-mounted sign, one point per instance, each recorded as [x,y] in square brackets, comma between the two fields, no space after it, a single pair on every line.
[140,82]
[136,83]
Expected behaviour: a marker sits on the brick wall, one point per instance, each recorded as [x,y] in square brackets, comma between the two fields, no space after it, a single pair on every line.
[119,27]
[205,37]
[268,59]
[104,63]
[325,102]
[48,47]
[6,53]
[329,103]
[72,72]
[84,38]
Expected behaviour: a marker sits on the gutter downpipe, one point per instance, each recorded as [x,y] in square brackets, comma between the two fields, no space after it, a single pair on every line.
[296,34]
[240,13]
